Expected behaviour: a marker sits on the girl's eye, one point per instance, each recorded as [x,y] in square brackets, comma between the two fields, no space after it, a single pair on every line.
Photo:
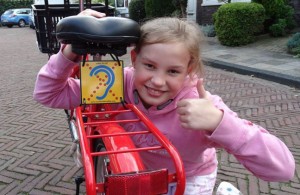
[149,66]
[173,72]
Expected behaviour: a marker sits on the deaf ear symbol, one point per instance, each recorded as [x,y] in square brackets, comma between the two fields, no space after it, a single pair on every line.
[110,78]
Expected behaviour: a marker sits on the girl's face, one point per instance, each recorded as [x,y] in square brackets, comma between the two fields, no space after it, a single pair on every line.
[160,70]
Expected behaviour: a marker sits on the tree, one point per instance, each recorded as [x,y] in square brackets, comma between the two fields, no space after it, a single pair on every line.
[181,5]
[278,14]
[159,8]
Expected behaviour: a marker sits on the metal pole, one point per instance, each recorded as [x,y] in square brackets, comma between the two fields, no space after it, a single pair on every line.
[81,5]
[106,7]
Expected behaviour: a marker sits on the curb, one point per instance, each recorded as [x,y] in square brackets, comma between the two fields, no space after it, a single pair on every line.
[263,74]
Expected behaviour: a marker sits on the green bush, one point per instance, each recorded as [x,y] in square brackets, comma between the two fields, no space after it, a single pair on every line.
[180,6]
[276,10]
[208,30]
[278,29]
[272,6]
[137,10]
[287,13]
[159,8]
[293,45]
[237,23]
[177,13]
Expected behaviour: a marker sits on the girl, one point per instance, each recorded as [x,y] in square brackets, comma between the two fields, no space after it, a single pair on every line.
[165,82]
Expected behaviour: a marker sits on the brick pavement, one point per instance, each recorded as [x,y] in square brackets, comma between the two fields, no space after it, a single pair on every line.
[35,140]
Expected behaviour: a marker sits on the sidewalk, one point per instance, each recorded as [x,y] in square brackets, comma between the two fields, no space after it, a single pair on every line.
[267,58]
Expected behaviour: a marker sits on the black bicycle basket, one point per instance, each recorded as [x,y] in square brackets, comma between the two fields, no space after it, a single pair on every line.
[46,17]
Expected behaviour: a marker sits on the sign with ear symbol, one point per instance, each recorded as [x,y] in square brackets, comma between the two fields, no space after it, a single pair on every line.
[102,82]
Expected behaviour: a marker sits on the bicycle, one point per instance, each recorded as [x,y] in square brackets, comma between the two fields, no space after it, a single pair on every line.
[111,161]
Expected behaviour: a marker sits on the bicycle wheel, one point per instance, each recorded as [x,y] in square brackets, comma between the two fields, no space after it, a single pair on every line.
[101,163]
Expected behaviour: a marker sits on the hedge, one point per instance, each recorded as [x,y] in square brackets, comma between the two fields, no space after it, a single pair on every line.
[237,23]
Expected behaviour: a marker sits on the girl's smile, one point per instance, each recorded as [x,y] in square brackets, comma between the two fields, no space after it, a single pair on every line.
[154,92]
[160,70]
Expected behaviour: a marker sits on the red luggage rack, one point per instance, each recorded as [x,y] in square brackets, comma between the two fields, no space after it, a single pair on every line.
[48,15]
[128,174]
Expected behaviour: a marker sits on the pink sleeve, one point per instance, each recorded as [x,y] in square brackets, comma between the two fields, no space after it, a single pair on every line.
[54,88]
[265,155]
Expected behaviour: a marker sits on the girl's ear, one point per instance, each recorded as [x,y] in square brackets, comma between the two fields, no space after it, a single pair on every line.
[190,69]
[133,57]
[190,66]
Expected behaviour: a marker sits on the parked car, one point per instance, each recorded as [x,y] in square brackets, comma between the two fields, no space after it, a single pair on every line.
[31,20]
[18,17]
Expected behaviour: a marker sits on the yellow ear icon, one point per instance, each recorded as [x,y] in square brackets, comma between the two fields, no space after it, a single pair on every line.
[102,82]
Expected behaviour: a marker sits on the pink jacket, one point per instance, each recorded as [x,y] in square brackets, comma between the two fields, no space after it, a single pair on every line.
[266,156]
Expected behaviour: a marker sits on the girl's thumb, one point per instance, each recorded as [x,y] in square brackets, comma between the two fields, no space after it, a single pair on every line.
[201,89]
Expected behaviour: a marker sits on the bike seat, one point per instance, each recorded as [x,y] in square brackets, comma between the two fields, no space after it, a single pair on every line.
[92,35]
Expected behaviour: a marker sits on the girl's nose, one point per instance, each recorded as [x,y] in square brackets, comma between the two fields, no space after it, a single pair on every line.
[158,80]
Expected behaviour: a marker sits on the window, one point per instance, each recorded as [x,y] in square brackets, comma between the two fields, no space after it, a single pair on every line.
[216,2]
[120,3]
[8,12]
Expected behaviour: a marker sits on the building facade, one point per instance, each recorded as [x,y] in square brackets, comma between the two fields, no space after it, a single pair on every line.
[122,7]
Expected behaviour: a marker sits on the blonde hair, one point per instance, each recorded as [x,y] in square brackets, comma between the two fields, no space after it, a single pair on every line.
[170,30]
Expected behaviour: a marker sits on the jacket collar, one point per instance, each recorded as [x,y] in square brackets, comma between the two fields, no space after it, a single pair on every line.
[159,107]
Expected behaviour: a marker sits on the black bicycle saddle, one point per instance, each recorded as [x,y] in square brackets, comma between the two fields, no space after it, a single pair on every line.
[92,35]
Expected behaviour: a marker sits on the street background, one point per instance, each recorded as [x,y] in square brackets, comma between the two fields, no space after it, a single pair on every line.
[35,140]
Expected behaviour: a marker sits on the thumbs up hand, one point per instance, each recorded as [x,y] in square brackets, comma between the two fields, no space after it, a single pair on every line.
[199,114]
